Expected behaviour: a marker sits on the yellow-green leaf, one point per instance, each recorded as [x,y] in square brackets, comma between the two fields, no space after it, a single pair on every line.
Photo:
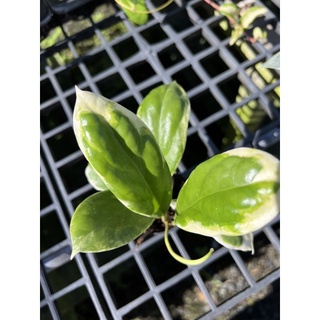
[101,223]
[122,150]
[166,110]
[232,194]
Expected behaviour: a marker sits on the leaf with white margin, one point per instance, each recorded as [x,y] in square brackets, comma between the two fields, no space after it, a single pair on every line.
[123,151]
[243,243]
[231,11]
[233,193]
[251,14]
[94,179]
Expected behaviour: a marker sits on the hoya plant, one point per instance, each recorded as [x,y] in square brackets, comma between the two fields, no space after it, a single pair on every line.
[132,159]
[241,15]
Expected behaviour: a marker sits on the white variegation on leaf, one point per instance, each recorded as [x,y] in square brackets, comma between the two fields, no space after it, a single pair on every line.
[242,243]
[232,194]
[123,152]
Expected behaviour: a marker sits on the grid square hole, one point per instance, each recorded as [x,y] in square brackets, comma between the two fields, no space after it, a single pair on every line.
[45,313]
[46,90]
[72,174]
[204,104]
[51,232]
[213,64]
[141,71]
[185,300]
[224,133]
[204,10]
[63,144]
[179,20]
[154,257]
[63,275]
[45,198]
[233,90]
[154,34]
[98,62]
[130,103]
[195,151]
[112,85]
[196,42]
[170,56]
[52,116]
[76,304]
[70,77]
[187,78]
[223,279]
[126,282]
[126,48]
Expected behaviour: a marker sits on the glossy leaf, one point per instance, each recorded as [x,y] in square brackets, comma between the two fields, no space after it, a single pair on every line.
[101,222]
[231,194]
[166,111]
[135,10]
[251,14]
[122,150]
[243,243]
[94,179]
[231,11]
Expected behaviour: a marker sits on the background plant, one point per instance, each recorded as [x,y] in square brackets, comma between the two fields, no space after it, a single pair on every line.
[241,16]
[132,159]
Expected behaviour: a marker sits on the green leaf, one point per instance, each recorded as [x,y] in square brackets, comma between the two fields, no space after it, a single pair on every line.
[231,194]
[135,10]
[273,62]
[251,14]
[94,179]
[102,223]
[258,33]
[243,243]
[122,150]
[231,11]
[166,110]
[236,33]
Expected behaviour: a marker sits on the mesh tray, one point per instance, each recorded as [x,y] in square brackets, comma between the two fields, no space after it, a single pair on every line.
[233,105]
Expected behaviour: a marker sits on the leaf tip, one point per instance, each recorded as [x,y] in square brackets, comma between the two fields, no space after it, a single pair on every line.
[73,253]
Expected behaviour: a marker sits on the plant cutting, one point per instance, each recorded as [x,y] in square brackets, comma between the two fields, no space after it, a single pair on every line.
[241,16]
[132,159]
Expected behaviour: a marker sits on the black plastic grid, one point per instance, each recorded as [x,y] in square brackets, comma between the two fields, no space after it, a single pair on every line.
[184,43]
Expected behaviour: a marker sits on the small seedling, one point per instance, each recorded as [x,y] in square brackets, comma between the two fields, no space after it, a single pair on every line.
[132,159]
[241,16]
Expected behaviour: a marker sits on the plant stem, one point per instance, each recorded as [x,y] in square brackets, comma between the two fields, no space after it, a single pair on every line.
[213,5]
[190,262]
